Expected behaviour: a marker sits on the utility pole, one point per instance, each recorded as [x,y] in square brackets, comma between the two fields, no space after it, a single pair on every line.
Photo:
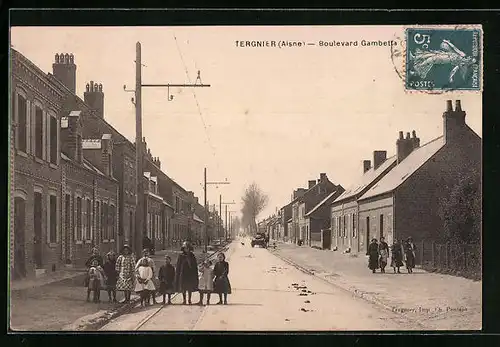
[230,228]
[205,183]
[220,215]
[226,203]
[139,151]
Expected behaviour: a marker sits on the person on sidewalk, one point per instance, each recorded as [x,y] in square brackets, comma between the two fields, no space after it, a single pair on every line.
[166,276]
[222,286]
[396,256]
[144,284]
[96,281]
[373,255]
[207,281]
[125,266]
[383,250]
[95,256]
[111,275]
[151,263]
[410,253]
[186,273]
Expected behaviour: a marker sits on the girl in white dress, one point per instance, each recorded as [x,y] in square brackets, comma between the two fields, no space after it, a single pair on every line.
[206,285]
[144,285]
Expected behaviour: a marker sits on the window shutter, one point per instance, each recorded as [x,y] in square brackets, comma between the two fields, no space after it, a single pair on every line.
[47,220]
[29,107]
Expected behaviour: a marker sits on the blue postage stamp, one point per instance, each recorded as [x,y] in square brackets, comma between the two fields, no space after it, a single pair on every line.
[443,59]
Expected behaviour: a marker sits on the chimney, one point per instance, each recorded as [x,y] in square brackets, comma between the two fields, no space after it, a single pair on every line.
[311,183]
[107,154]
[64,69]
[415,139]
[94,97]
[71,136]
[366,165]
[322,177]
[378,158]
[404,146]
[453,122]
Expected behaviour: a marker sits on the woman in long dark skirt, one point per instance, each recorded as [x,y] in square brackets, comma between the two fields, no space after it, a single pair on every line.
[166,275]
[383,250]
[222,286]
[410,252]
[373,255]
[396,256]
[111,275]
[186,273]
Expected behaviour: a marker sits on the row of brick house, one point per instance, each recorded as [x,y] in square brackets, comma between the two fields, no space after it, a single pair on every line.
[394,197]
[73,176]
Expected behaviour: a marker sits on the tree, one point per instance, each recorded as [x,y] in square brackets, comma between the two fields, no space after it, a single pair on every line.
[461,210]
[254,201]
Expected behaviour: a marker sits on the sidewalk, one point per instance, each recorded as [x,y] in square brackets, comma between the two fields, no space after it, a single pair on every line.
[56,300]
[434,300]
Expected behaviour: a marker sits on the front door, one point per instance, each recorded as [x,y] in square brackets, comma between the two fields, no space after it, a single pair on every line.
[38,239]
[381,226]
[367,232]
[19,232]
[67,223]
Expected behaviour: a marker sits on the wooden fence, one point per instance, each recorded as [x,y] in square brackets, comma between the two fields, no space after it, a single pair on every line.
[460,259]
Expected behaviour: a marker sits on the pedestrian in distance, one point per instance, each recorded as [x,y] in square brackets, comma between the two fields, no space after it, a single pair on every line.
[396,256]
[186,273]
[111,275]
[125,266]
[96,281]
[144,284]
[222,286]
[373,255]
[151,264]
[410,253]
[166,276]
[206,282]
[383,250]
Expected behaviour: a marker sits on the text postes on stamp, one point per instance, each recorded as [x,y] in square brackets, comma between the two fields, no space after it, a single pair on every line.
[443,59]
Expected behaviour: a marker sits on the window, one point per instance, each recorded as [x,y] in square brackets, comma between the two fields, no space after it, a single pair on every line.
[177,204]
[53,219]
[22,123]
[112,222]
[344,226]
[37,215]
[53,140]
[78,219]
[89,219]
[38,132]
[104,221]
[354,225]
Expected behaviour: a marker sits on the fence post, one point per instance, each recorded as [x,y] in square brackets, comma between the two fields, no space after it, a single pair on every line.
[433,255]
[422,254]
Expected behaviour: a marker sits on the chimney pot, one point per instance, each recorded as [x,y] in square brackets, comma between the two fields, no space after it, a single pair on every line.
[407,135]
[366,165]
[400,135]
[311,183]
[378,158]
[458,106]
[414,134]
[449,106]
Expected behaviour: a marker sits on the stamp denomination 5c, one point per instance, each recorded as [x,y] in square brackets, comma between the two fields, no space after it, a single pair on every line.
[443,59]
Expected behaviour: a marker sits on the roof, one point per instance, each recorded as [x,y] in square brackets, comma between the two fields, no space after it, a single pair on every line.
[87,165]
[366,179]
[167,204]
[406,168]
[322,202]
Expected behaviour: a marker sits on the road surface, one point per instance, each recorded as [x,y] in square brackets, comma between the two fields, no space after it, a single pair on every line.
[268,294]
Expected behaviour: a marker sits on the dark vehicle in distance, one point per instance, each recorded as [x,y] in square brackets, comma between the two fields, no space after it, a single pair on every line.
[259,239]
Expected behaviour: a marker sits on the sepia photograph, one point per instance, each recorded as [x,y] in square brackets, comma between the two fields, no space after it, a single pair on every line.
[245,178]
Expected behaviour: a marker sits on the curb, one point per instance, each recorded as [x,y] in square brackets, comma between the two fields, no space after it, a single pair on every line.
[99,322]
[356,292]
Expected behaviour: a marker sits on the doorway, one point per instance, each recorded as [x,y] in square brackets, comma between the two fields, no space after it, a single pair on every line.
[381,226]
[67,223]
[19,238]
[367,232]
[38,239]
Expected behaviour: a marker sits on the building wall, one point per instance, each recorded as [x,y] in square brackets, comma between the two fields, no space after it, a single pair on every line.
[371,213]
[346,235]
[153,219]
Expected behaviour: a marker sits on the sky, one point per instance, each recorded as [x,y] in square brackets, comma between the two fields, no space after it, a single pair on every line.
[275,116]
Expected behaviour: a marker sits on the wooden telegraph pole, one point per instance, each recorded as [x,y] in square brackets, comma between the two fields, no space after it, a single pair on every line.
[139,151]
[205,183]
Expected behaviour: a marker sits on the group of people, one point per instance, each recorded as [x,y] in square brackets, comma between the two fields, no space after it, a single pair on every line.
[126,274]
[378,255]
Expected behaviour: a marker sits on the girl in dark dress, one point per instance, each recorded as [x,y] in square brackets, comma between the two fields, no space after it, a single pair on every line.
[111,275]
[410,251]
[222,286]
[186,273]
[396,256]
[166,275]
[373,255]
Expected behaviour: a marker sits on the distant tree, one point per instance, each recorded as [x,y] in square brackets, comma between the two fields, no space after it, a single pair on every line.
[462,211]
[254,202]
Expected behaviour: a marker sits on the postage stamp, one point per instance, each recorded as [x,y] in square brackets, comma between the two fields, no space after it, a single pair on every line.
[443,59]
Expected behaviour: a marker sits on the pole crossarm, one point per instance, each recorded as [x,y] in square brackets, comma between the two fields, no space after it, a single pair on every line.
[168,85]
[217,183]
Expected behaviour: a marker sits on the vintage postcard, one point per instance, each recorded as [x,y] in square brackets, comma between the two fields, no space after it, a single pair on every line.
[246,178]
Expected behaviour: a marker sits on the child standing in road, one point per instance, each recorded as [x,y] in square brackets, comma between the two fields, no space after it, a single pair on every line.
[222,286]
[144,285]
[166,275]
[206,282]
